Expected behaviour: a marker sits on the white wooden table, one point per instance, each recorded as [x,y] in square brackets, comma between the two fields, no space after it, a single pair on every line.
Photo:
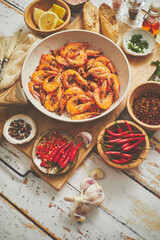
[32,209]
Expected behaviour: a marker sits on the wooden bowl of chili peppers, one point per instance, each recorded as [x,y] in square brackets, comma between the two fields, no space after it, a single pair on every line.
[123,144]
[143,105]
[55,152]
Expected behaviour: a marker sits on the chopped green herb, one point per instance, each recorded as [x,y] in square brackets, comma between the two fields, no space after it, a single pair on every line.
[156,74]
[136,44]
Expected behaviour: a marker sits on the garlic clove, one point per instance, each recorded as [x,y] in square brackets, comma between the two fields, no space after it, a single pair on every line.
[97,174]
[86,137]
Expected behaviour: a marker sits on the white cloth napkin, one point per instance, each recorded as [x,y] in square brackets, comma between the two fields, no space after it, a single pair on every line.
[13,69]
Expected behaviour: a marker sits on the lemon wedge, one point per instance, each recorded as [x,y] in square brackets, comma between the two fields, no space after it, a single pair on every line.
[36,14]
[60,11]
[59,22]
[48,21]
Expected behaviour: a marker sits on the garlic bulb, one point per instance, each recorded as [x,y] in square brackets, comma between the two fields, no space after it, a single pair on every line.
[91,195]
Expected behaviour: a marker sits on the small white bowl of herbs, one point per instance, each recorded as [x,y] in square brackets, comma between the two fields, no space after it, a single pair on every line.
[138,42]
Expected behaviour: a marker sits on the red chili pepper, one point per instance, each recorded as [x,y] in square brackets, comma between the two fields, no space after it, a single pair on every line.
[118,129]
[126,149]
[111,133]
[134,135]
[74,152]
[128,126]
[122,161]
[64,156]
[109,146]
[67,159]
[125,145]
[108,136]
[119,154]
[121,141]
[112,141]
[61,152]
[56,150]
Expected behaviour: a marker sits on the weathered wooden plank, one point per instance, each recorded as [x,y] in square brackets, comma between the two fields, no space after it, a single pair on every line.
[11,20]
[127,207]
[13,225]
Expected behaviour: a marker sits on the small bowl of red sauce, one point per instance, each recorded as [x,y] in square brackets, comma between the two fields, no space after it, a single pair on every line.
[75,5]
[143,105]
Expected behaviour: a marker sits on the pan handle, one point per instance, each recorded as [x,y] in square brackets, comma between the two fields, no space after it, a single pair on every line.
[13,95]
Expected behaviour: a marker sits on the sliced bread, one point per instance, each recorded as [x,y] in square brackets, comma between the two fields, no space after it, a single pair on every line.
[109,24]
[91,17]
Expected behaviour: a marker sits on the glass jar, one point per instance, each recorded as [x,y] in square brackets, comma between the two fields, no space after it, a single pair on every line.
[151,20]
[132,16]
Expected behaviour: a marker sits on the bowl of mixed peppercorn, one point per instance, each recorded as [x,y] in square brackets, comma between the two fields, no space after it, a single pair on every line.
[19,129]
[123,144]
[143,105]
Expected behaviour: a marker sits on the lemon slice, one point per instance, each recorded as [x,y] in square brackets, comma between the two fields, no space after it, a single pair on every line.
[48,21]
[36,14]
[60,11]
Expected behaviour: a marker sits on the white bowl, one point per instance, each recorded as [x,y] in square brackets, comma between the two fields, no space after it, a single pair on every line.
[145,36]
[27,120]
[97,42]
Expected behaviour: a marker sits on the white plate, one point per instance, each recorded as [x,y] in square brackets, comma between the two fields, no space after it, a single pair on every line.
[145,36]
[97,42]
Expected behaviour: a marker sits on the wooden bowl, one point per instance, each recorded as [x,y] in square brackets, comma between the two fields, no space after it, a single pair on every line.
[153,87]
[45,5]
[134,163]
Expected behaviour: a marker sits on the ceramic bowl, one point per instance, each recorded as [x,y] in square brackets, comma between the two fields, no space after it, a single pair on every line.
[151,86]
[96,42]
[27,120]
[45,5]
[46,136]
[136,129]
[76,6]
[145,36]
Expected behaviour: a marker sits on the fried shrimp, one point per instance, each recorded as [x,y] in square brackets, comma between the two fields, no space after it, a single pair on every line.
[85,115]
[106,61]
[72,78]
[51,83]
[79,60]
[98,72]
[72,49]
[70,92]
[78,104]
[75,79]
[32,90]
[52,100]
[47,67]
[47,59]
[62,61]
[115,84]
[103,99]
[39,76]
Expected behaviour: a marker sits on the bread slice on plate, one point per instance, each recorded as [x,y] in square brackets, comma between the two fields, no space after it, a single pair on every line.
[91,17]
[109,24]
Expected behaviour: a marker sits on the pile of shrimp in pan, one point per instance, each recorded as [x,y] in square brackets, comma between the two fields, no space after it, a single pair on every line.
[76,79]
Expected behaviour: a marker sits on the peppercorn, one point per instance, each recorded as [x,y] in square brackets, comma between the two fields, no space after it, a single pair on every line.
[19,129]
[146,108]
